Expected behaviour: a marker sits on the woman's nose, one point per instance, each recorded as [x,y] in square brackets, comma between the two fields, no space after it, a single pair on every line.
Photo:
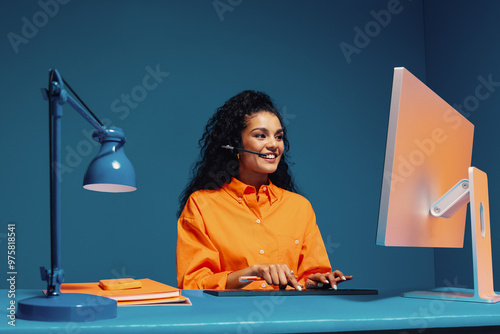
[272,143]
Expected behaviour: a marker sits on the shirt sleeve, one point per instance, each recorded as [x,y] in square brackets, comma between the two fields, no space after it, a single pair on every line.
[198,264]
[313,256]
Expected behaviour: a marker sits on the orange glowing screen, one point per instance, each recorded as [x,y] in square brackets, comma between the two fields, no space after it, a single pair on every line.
[429,149]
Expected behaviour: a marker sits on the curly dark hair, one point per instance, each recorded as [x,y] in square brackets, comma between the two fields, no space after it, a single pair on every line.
[216,166]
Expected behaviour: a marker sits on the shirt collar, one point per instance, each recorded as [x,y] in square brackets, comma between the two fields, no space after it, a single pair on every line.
[236,189]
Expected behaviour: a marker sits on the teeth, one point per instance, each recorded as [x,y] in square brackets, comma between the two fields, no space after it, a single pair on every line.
[270,156]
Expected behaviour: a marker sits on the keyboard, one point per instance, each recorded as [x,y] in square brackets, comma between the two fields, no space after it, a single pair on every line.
[258,292]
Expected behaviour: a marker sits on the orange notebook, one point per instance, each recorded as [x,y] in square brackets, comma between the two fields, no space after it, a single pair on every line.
[149,290]
[181,300]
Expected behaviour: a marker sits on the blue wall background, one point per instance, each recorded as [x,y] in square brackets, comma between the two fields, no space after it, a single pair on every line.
[336,107]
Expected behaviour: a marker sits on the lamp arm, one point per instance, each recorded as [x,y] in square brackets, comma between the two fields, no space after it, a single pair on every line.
[85,114]
[58,94]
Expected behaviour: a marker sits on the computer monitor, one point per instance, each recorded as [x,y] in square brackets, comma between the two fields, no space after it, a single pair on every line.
[428,181]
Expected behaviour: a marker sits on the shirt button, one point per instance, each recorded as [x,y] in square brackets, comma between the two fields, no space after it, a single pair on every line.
[263,285]
[296,242]
[261,251]
[239,199]
[264,188]
[258,221]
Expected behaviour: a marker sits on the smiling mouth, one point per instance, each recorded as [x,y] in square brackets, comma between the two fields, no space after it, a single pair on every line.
[269,156]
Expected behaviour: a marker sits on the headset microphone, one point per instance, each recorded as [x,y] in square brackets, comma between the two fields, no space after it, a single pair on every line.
[238,149]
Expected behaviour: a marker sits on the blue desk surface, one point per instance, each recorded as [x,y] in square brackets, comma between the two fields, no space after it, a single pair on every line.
[272,314]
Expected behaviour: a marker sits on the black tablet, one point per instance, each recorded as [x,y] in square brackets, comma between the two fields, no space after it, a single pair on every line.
[258,292]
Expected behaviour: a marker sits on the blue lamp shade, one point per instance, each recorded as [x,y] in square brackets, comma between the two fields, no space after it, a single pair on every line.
[111,171]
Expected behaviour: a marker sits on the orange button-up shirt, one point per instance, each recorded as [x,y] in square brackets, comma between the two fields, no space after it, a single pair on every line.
[228,229]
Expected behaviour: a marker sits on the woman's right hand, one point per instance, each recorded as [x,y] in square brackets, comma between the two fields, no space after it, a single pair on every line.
[277,274]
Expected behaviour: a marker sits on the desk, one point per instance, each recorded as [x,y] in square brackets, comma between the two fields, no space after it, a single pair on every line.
[277,314]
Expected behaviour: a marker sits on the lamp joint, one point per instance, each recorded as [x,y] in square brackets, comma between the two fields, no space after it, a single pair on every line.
[54,280]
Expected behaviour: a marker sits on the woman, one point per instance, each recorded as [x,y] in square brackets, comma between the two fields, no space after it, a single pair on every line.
[240,215]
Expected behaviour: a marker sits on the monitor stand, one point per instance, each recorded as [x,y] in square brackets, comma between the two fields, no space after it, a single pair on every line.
[481,246]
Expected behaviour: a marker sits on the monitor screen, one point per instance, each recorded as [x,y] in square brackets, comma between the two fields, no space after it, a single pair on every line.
[429,149]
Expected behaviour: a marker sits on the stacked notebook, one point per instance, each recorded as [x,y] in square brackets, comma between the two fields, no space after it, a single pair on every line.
[130,292]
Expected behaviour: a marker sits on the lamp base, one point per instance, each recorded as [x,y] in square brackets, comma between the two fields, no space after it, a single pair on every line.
[76,307]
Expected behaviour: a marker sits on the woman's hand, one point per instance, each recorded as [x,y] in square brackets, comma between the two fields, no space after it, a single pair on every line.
[277,274]
[326,280]
[273,273]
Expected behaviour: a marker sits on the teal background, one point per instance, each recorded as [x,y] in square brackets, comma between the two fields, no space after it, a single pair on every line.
[336,110]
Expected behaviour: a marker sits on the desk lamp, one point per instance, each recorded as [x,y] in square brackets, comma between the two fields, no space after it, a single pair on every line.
[110,171]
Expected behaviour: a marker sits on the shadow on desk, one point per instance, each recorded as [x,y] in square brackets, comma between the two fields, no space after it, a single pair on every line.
[463,330]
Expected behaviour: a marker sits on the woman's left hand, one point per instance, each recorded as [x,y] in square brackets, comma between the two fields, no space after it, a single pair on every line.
[326,280]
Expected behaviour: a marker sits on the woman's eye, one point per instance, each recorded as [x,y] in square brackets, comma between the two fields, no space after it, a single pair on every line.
[279,137]
[260,135]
